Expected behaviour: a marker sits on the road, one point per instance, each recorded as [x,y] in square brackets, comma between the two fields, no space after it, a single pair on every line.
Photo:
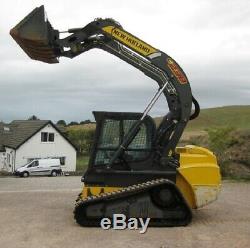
[37,212]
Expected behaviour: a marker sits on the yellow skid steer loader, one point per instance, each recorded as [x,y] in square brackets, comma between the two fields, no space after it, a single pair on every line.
[135,168]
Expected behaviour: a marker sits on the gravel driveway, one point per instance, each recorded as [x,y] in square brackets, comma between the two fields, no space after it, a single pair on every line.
[37,212]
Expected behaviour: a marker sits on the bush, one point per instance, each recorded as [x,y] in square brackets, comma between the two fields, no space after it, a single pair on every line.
[199,140]
[220,139]
[5,173]
[82,163]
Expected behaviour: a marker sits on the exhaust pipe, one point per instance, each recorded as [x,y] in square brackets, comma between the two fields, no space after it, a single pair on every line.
[35,35]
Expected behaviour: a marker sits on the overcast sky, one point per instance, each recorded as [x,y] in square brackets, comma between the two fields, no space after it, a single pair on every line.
[210,39]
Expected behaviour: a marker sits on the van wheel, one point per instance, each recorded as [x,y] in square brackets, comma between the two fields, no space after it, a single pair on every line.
[25,174]
[53,173]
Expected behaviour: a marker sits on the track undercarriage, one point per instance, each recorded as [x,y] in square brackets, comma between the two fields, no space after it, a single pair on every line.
[158,200]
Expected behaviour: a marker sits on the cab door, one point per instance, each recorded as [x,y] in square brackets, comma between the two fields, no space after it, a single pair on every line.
[33,168]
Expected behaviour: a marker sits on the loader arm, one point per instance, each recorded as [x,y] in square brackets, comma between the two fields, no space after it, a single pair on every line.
[41,42]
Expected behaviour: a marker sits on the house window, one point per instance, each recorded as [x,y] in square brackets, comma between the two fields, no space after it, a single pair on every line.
[51,137]
[47,137]
[62,160]
[44,137]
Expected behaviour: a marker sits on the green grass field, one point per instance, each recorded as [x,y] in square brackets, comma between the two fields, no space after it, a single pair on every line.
[231,116]
[82,163]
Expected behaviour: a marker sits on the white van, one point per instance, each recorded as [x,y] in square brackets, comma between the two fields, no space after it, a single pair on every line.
[40,167]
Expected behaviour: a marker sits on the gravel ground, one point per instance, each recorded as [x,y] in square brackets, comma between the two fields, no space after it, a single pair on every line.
[37,212]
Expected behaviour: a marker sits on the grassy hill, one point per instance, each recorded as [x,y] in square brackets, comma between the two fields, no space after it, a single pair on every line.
[233,116]
[235,161]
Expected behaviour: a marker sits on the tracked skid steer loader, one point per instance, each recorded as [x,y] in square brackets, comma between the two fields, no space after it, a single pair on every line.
[135,168]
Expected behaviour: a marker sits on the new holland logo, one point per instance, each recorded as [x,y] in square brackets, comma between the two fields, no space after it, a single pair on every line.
[175,69]
[130,41]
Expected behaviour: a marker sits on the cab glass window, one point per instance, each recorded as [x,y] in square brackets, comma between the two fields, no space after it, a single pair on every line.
[112,135]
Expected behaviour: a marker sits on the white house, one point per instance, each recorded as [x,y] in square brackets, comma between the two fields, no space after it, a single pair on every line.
[23,141]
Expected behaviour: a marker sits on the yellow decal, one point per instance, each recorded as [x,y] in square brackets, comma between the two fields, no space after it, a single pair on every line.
[130,41]
[95,190]
[175,69]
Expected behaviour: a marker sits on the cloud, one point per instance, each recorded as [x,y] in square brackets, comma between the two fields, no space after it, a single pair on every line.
[210,40]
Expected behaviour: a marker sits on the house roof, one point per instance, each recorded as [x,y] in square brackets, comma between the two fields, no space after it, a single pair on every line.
[20,131]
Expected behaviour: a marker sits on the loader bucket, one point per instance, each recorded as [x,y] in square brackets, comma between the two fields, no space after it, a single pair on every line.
[35,35]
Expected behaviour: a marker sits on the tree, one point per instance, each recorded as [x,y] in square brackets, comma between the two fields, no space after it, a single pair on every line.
[33,118]
[61,122]
[83,139]
[85,122]
[73,123]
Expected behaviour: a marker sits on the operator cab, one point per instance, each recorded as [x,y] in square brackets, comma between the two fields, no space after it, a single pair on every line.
[111,129]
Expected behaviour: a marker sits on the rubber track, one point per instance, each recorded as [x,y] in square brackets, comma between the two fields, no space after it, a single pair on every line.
[83,220]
